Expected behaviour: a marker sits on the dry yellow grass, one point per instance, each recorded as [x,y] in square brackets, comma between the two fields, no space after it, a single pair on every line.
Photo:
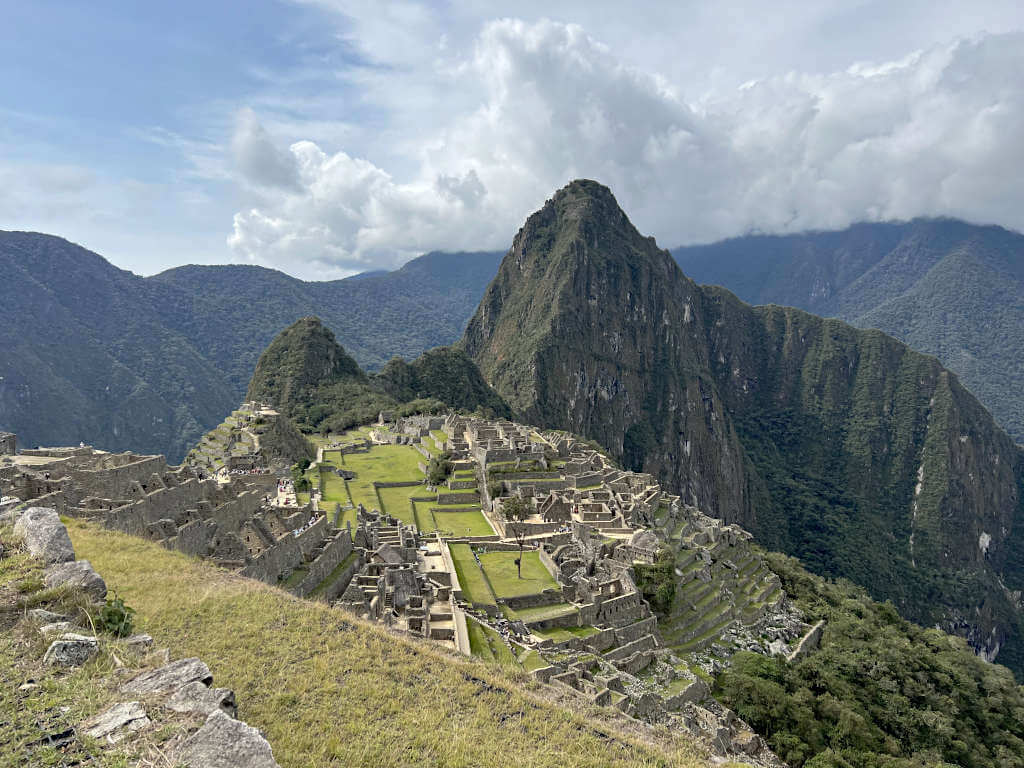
[331,690]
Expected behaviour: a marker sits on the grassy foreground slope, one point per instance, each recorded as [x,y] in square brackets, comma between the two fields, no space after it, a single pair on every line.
[331,690]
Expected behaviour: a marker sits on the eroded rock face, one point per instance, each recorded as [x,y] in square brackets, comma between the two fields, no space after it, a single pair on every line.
[170,677]
[45,536]
[117,721]
[79,573]
[224,742]
[198,698]
[71,650]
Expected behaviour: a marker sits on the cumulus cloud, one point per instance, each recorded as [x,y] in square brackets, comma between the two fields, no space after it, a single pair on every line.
[936,132]
[259,160]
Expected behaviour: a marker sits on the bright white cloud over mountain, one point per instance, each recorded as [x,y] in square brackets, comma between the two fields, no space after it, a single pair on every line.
[934,133]
[325,137]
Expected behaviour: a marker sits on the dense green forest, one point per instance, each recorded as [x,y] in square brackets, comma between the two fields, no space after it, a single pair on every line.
[951,289]
[880,691]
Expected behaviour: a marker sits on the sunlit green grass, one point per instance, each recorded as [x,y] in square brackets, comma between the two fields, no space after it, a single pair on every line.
[504,578]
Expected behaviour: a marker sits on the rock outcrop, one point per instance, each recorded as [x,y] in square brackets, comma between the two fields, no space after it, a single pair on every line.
[78,573]
[44,535]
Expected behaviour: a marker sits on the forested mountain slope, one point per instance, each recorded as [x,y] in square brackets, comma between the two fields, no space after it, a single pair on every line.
[97,354]
[841,446]
[945,287]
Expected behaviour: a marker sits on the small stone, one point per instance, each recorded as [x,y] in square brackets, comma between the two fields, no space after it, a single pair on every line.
[58,628]
[46,617]
[223,742]
[77,574]
[138,642]
[747,742]
[196,697]
[115,722]
[44,535]
[71,650]
[170,677]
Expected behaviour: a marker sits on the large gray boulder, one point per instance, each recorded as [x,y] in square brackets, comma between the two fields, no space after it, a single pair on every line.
[170,677]
[44,535]
[71,650]
[77,574]
[118,721]
[224,742]
[198,698]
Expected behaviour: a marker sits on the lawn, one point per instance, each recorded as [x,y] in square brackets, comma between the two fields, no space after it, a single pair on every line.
[395,501]
[474,586]
[542,613]
[335,492]
[487,644]
[384,463]
[331,690]
[503,575]
[461,522]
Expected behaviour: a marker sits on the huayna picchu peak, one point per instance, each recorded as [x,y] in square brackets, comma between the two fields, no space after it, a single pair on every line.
[841,446]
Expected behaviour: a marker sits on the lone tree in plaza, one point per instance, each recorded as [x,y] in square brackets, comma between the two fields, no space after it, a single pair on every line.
[516,511]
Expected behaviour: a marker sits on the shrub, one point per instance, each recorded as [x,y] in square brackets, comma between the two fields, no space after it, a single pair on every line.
[115,617]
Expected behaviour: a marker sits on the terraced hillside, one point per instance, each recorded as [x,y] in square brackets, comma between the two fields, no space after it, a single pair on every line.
[331,690]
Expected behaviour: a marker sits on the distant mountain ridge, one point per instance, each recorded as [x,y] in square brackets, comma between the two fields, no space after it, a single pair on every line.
[842,446]
[97,354]
[945,287]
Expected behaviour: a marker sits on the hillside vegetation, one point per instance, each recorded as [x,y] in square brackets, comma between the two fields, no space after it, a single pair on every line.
[879,692]
[310,378]
[331,690]
[945,287]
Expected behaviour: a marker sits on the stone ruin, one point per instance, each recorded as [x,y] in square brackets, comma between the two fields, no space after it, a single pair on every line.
[242,522]
[590,523]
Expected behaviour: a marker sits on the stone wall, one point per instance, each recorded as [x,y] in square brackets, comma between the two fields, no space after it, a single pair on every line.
[113,482]
[547,597]
[272,562]
[334,554]
[458,498]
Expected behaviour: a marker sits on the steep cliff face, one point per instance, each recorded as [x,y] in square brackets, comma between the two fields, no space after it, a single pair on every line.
[589,327]
[945,287]
[841,446]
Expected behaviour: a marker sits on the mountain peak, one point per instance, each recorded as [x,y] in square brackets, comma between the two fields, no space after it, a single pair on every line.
[298,360]
[574,266]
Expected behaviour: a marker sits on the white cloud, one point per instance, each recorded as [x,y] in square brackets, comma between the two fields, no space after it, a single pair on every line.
[257,158]
[934,132]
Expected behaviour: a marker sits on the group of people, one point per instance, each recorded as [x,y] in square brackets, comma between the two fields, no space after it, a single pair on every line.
[309,524]
[253,470]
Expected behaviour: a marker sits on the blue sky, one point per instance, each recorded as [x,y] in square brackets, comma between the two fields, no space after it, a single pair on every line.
[328,137]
